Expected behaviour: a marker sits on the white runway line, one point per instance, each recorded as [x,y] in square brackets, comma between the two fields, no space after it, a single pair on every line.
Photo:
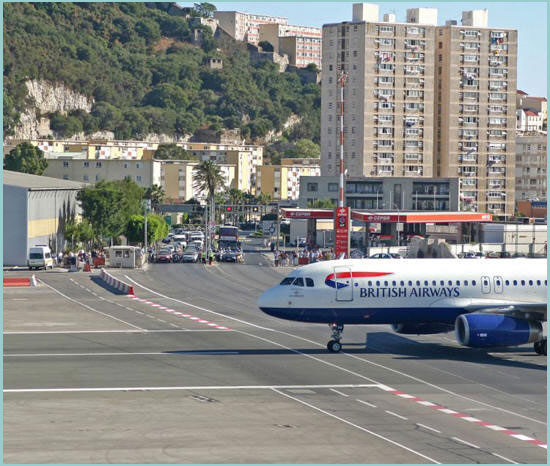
[366,403]
[91,308]
[396,415]
[187,387]
[456,439]
[428,427]
[393,442]
[503,458]
[339,393]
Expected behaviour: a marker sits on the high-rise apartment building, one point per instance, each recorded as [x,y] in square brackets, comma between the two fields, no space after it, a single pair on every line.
[475,113]
[245,26]
[423,100]
[530,168]
[388,112]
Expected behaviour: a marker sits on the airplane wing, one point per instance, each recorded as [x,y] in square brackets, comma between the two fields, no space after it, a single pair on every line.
[520,309]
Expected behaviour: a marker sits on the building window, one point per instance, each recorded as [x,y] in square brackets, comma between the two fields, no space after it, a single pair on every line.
[138,178]
[86,164]
[333,187]
[65,177]
[98,164]
[313,187]
[86,178]
[65,164]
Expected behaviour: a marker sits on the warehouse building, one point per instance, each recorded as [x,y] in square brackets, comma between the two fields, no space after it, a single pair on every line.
[36,209]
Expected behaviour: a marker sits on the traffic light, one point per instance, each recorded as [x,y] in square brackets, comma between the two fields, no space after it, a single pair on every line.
[229,208]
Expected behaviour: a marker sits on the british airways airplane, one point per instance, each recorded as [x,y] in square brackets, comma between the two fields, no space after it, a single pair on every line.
[488,302]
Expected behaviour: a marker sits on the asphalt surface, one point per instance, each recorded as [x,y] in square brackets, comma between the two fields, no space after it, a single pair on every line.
[192,372]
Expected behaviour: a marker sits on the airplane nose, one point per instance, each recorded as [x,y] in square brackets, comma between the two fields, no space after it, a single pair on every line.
[267,299]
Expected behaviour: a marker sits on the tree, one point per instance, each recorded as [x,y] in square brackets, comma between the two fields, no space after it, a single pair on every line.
[157,228]
[206,10]
[264,198]
[156,194]
[305,148]
[26,158]
[321,204]
[173,152]
[108,205]
[208,178]
[79,232]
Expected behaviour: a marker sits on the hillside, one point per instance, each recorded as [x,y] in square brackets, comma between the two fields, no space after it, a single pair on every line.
[136,62]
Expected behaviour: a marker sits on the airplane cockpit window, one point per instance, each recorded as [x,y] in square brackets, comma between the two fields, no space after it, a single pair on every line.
[287,281]
[309,282]
[298,282]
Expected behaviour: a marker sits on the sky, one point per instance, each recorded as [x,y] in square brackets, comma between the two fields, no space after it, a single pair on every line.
[529,18]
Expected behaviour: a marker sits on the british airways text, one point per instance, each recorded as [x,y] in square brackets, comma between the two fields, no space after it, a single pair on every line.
[425,292]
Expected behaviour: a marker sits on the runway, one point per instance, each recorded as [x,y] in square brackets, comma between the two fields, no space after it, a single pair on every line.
[190,371]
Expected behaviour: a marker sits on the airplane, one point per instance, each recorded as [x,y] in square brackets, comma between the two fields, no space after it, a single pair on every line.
[488,303]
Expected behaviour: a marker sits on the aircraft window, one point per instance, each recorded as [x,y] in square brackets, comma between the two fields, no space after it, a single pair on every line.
[425,282]
[417,282]
[385,283]
[515,283]
[507,282]
[498,282]
[458,283]
[544,282]
[298,282]
[434,283]
[450,283]
[442,283]
[394,283]
[523,283]
[410,283]
[370,283]
[377,283]
[473,283]
[287,281]
[309,282]
[401,283]
[530,282]
[485,283]
[538,282]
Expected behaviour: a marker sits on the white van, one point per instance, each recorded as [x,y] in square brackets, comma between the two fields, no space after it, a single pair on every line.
[40,256]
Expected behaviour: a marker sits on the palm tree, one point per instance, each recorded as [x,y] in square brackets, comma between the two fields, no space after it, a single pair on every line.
[156,194]
[208,178]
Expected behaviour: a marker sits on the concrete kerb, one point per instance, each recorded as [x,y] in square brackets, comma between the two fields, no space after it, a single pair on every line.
[116,283]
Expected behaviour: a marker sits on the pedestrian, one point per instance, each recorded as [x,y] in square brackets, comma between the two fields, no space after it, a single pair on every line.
[276,258]
[210,257]
[203,257]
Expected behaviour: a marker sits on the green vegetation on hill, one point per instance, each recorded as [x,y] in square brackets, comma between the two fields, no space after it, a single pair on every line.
[138,63]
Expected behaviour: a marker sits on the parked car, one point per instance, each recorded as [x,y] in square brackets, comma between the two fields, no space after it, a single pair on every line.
[190,255]
[385,255]
[163,255]
[40,256]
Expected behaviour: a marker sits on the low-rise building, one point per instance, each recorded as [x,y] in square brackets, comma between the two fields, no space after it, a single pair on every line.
[384,194]
[282,182]
[245,26]
[36,209]
[530,166]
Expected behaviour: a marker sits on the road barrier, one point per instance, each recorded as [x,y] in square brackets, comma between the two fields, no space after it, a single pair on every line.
[18,281]
[116,283]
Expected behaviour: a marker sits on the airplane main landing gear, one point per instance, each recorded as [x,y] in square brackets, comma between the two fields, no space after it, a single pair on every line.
[334,345]
[540,347]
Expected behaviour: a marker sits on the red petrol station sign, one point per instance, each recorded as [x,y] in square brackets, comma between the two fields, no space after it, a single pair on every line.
[341,227]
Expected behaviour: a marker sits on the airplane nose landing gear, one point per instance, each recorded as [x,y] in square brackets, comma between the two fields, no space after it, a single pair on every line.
[540,347]
[334,345]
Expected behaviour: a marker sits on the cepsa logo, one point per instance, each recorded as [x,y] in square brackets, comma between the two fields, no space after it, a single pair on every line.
[334,280]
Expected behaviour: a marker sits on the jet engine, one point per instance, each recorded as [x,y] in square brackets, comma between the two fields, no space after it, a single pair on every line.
[427,328]
[486,330]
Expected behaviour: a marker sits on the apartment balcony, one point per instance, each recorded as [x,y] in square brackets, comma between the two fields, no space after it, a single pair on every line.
[502,73]
[497,98]
[467,159]
[469,182]
[468,124]
[497,87]
[496,173]
[496,147]
[414,47]
[501,135]
[413,158]
[384,160]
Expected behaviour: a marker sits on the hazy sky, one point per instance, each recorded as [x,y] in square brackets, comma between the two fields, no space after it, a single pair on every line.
[529,18]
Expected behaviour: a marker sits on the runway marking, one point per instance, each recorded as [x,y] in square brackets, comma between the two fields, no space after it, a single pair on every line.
[456,439]
[68,332]
[366,403]
[173,353]
[339,393]
[383,387]
[90,308]
[187,387]
[396,415]
[393,442]
[503,458]
[428,427]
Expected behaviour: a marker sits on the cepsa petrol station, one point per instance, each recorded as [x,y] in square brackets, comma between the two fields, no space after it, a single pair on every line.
[393,225]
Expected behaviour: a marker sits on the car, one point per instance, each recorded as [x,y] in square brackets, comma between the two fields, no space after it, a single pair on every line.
[190,255]
[163,255]
[229,255]
[40,256]
[197,243]
[384,255]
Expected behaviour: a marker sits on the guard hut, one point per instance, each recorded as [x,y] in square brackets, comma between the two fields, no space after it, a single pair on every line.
[126,257]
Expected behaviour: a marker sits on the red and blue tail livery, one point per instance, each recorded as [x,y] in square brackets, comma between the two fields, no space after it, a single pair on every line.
[329,280]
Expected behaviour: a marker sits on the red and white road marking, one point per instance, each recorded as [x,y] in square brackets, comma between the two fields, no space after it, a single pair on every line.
[196,319]
[464,417]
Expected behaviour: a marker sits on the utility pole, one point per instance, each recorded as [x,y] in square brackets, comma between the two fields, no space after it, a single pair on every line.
[278,230]
[342,80]
[146,205]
